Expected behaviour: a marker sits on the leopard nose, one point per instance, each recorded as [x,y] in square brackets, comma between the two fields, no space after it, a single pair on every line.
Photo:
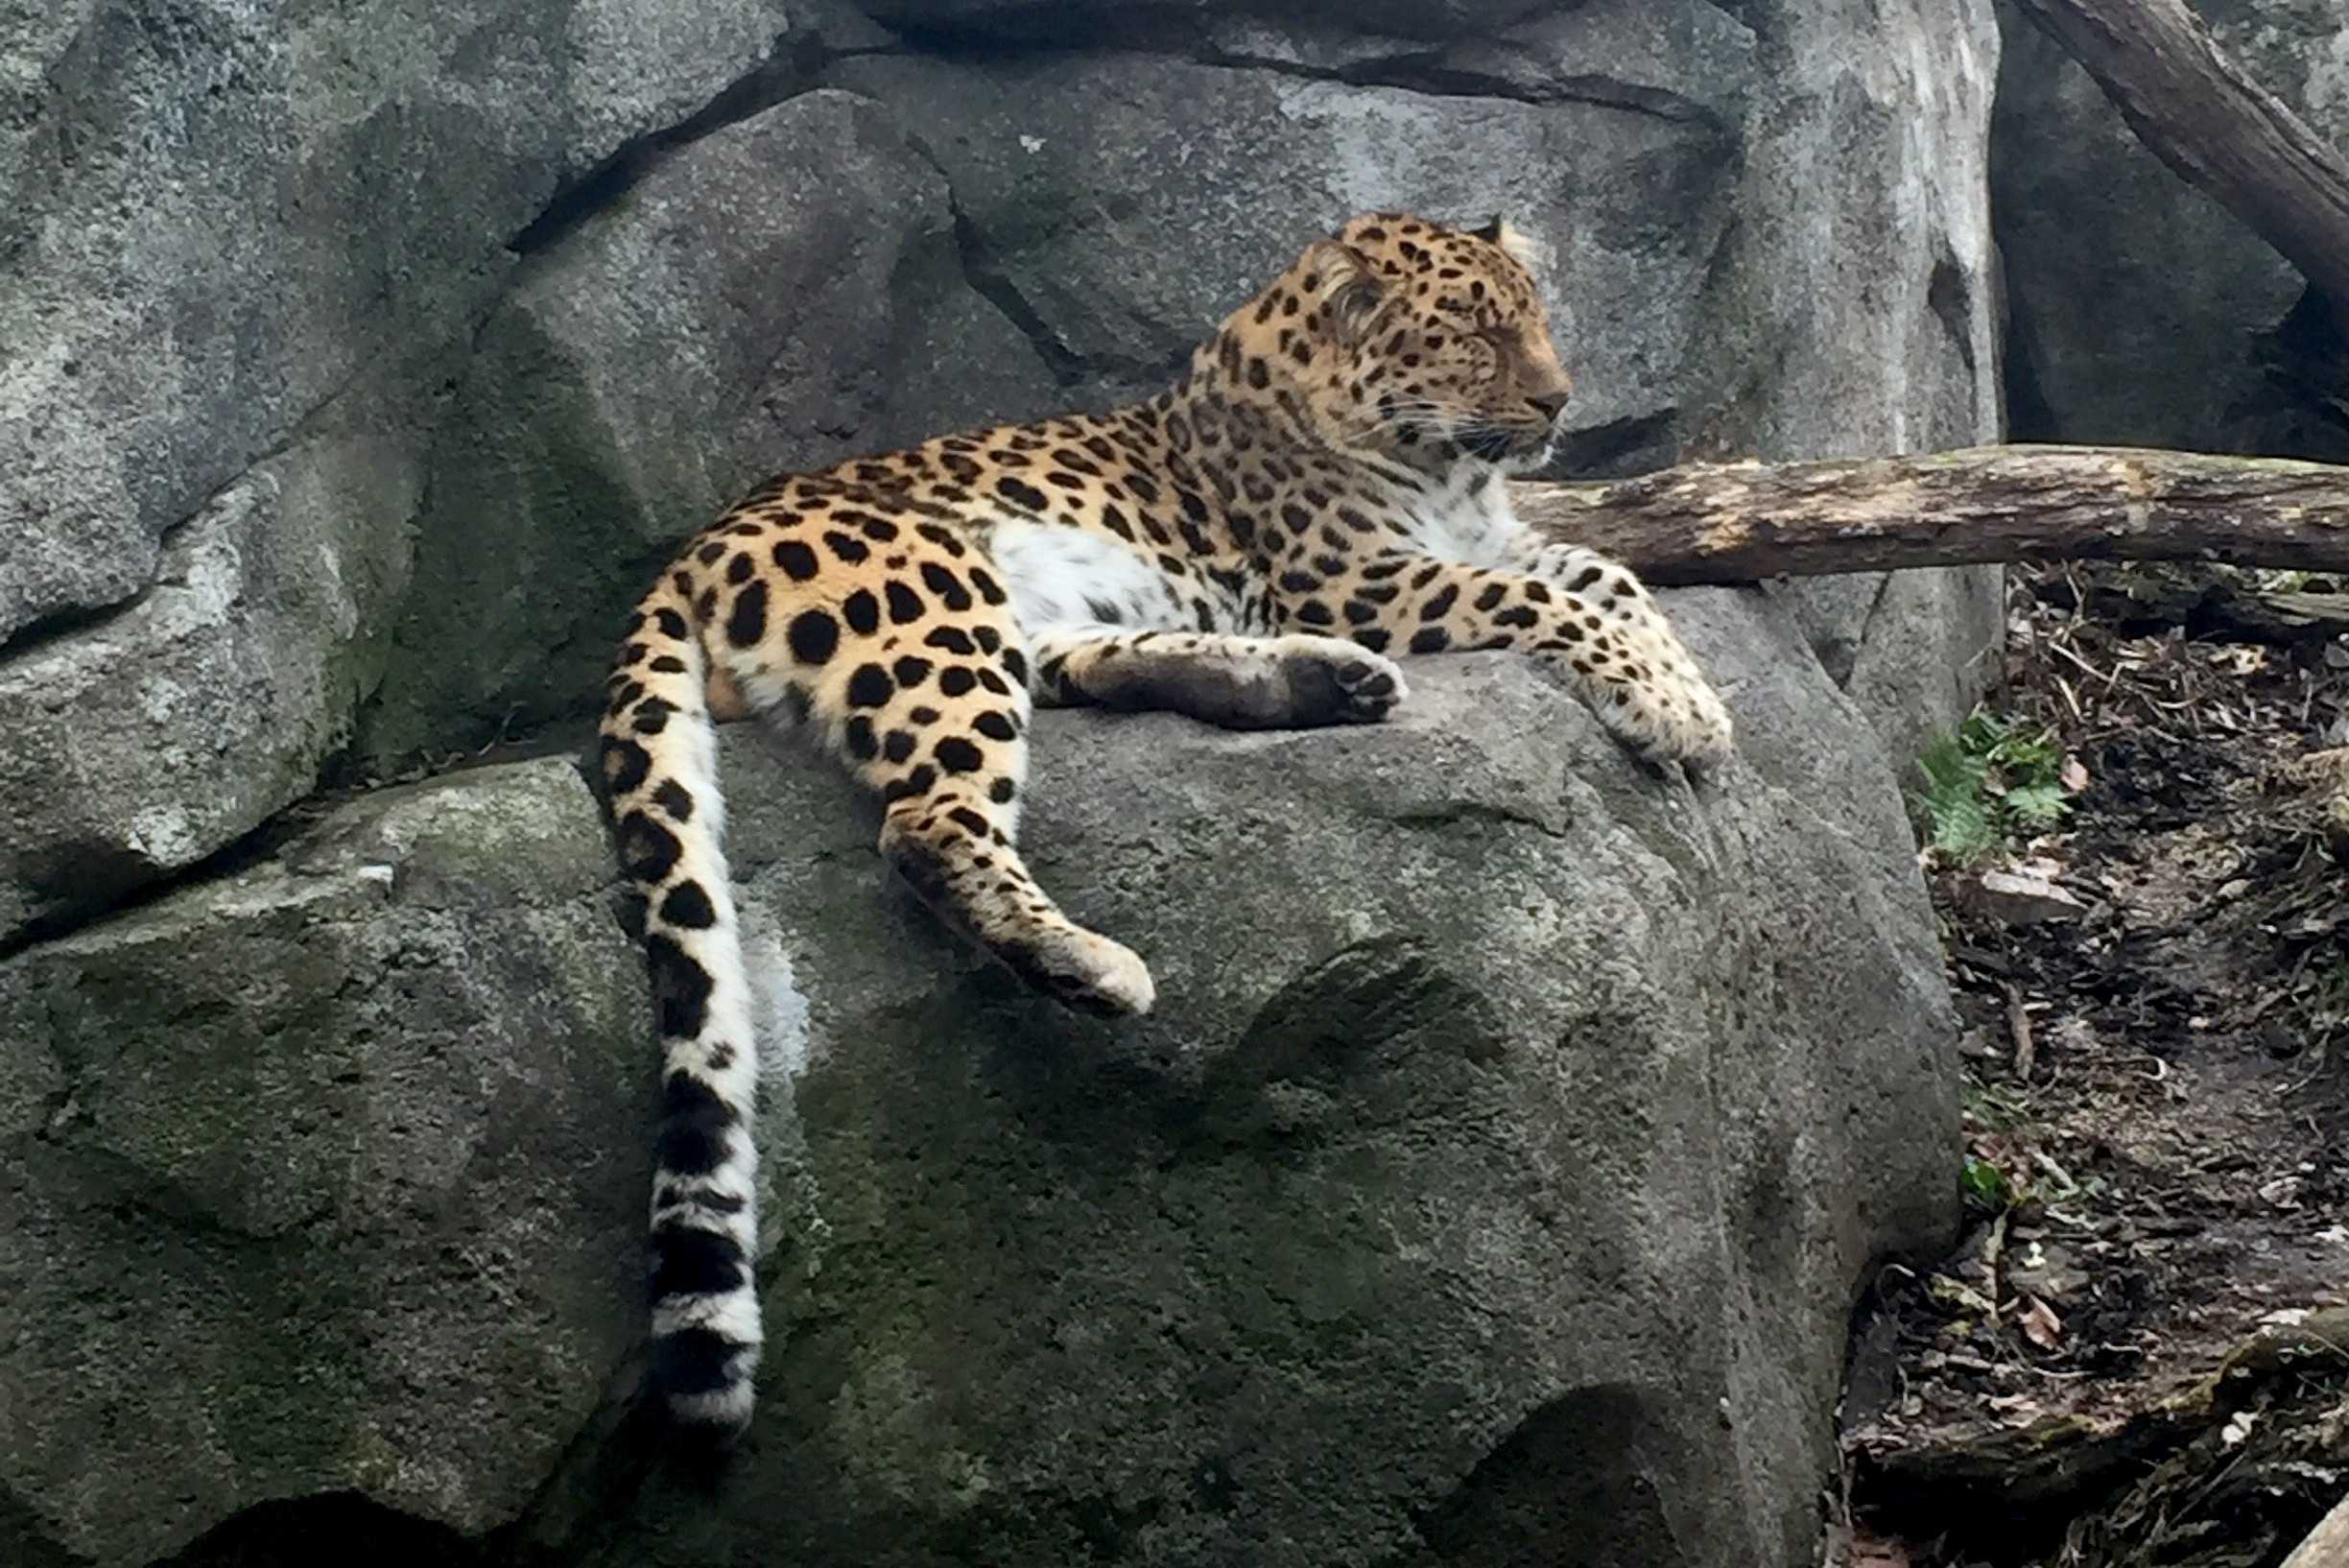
[1550,403]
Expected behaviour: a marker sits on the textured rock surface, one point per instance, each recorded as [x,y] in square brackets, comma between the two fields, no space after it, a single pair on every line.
[1511,1115]
[2135,296]
[784,291]
[221,215]
[323,1178]
[574,270]
[1059,166]
[143,743]
[1875,316]
[1506,1129]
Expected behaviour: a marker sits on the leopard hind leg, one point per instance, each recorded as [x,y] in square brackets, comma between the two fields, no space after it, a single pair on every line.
[912,672]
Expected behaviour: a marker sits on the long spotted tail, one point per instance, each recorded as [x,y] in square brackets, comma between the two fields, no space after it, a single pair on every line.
[659,764]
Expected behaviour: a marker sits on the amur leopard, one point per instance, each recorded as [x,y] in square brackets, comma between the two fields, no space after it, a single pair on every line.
[1322,489]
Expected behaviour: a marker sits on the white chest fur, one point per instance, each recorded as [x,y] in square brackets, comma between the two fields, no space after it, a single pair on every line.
[1465,516]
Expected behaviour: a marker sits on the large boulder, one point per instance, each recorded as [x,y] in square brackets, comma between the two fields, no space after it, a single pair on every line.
[2137,299]
[322,1179]
[461,318]
[435,554]
[1870,322]
[187,718]
[1492,1186]
[1061,166]
[247,244]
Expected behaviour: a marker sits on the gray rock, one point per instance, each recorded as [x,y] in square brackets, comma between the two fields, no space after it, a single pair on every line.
[1863,325]
[1061,166]
[1415,19]
[246,245]
[1915,649]
[1868,324]
[1494,1178]
[324,1177]
[2136,296]
[143,743]
[1491,1188]
[346,577]
[784,292]
[220,216]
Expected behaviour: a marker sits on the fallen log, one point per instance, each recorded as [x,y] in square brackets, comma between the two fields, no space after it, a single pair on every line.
[1743,521]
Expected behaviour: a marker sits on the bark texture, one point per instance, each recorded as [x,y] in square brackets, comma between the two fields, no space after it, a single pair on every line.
[1736,522]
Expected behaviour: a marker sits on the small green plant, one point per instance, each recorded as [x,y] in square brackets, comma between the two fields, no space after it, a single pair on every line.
[1988,783]
[1985,1185]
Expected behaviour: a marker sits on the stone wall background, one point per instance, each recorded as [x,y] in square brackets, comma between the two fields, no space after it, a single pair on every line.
[1528,1117]
[362,361]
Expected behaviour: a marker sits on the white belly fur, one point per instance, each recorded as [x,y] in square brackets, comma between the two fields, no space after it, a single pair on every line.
[1059,576]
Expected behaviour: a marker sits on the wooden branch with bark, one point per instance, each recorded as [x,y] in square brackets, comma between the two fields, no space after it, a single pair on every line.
[2327,1545]
[1740,522]
[2200,113]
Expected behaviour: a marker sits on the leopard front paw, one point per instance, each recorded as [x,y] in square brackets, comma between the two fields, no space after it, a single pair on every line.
[1683,721]
[1331,681]
[1712,735]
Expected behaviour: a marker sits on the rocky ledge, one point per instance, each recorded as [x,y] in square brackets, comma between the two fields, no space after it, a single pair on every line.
[1492,1184]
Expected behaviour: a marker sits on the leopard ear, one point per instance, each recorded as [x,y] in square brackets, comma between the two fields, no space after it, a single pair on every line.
[1346,285]
[1508,237]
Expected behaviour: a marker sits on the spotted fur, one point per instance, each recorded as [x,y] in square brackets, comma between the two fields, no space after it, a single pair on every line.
[1322,488]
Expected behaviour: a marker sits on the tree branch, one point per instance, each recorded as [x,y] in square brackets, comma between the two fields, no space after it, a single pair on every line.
[1736,522]
[2327,1545]
[2202,115]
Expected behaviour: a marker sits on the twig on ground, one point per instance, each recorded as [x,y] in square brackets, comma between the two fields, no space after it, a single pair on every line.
[2018,1024]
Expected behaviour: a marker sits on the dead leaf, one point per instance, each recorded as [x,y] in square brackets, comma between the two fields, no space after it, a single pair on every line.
[2073,775]
[2015,1410]
[1866,1550]
[1956,1297]
[2020,897]
[2040,1325]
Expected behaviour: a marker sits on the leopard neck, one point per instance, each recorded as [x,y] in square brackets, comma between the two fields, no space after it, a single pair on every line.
[1217,402]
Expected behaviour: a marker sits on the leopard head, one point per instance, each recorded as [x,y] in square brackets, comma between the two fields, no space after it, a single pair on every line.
[1415,341]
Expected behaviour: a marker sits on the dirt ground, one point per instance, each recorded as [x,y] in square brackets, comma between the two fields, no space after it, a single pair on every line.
[2137,1355]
